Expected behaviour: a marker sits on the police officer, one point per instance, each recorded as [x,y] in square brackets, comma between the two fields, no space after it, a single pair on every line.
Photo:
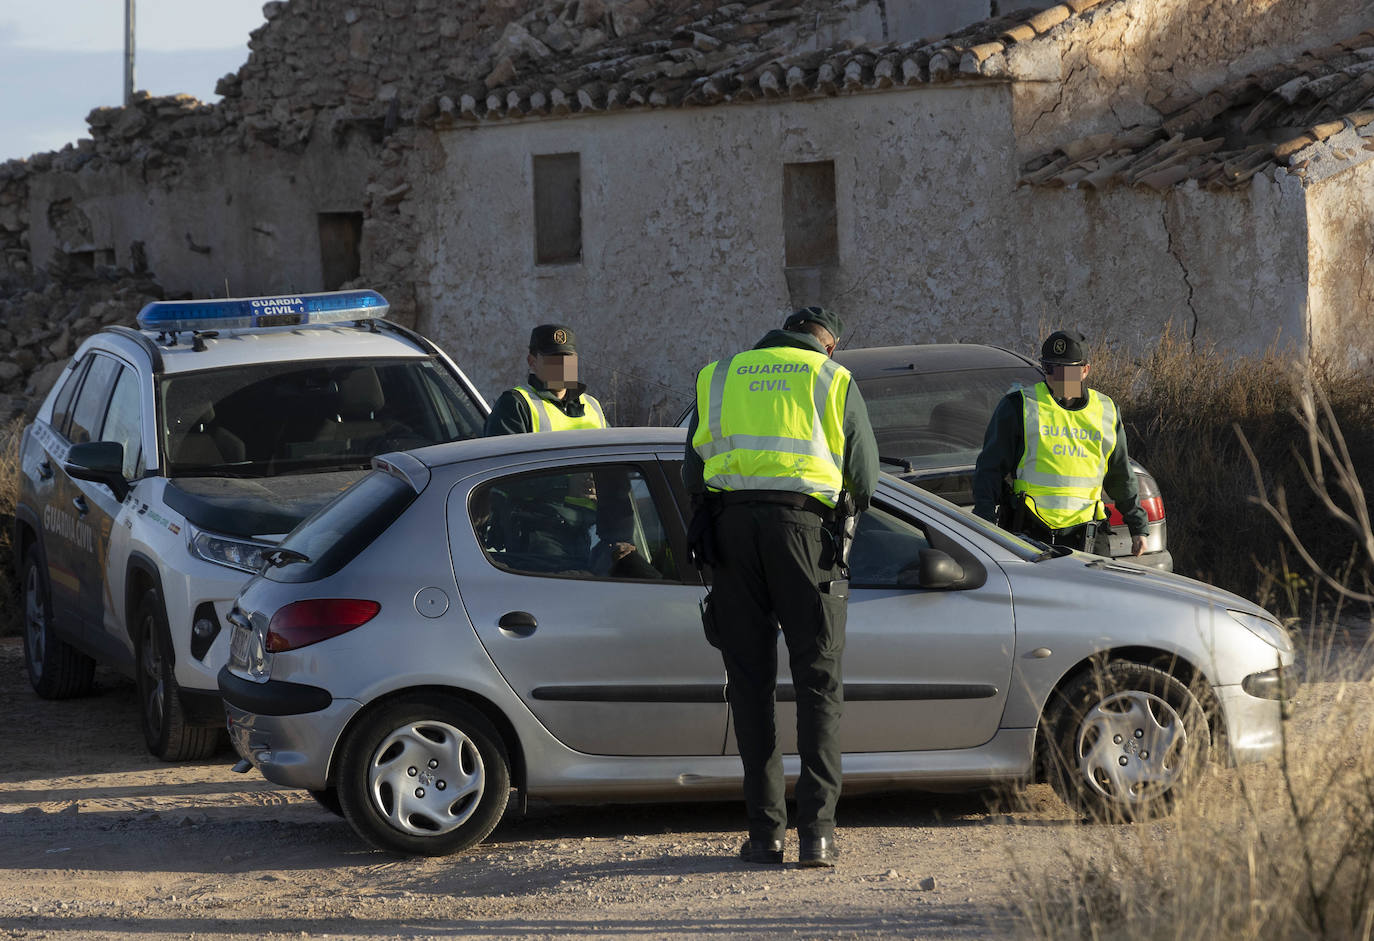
[1063,445]
[779,431]
[551,399]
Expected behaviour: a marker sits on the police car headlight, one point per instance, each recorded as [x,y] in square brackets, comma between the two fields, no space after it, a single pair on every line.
[241,554]
[1271,632]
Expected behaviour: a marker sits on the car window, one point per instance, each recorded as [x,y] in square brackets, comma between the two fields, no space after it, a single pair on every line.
[123,421]
[334,534]
[88,414]
[267,419]
[597,521]
[884,544]
[62,407]
[938,419]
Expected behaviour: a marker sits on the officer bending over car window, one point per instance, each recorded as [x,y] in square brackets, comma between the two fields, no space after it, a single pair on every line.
[779,438]
[1062,445]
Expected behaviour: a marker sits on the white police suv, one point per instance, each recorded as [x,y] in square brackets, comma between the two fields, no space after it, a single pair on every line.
[168,461]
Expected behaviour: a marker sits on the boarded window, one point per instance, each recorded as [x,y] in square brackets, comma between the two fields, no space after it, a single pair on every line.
[808,212]
[340,235]
[557,209]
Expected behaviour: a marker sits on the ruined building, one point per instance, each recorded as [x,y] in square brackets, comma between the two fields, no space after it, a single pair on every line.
[670,175]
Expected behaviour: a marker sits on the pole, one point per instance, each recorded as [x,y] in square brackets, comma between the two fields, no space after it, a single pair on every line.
[128,52]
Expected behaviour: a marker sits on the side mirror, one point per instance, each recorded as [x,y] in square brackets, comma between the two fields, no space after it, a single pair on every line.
[100,462]
[933,570]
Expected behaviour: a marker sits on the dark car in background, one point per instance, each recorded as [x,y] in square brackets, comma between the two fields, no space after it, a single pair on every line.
[930,405]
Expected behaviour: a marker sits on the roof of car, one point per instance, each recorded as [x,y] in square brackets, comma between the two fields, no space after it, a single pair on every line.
[532,445]
[877,361]
[273,345]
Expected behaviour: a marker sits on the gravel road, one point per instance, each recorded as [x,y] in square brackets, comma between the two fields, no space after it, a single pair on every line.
[100,840]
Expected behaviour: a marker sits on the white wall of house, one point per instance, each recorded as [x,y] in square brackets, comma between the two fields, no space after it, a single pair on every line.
[1341,256]
[683,233]
[1227,267]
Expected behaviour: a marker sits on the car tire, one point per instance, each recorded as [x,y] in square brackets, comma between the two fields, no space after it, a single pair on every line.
[1125,741]
[328,799]
[57,670]
[424,775]
[165,729]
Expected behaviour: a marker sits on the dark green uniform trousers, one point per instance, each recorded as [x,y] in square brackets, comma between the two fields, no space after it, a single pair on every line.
[772,561]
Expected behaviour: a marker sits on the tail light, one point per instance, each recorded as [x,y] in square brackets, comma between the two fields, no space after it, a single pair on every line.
[1150,501]
[302,623]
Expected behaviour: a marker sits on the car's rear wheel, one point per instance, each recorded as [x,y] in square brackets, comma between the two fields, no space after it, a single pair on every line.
[426,775]
[1125,741]
[165,728]
[57,670]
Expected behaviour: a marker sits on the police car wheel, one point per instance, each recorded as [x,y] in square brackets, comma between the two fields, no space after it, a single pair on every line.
[165,728]
[57,670]
[1125,741]
[426,775]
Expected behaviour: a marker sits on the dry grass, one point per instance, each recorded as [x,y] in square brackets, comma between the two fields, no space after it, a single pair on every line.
[1182,408]
[10,610]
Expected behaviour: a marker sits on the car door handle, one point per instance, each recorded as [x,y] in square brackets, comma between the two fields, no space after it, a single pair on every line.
[45,471]
[81,506]
[519,623]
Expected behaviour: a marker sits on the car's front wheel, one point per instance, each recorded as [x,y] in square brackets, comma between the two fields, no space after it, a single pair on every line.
[1125,741]
[425,775]
[165,728]
[57,670]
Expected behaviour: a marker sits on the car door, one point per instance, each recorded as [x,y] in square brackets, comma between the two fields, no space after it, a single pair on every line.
[923,669]
[574,578]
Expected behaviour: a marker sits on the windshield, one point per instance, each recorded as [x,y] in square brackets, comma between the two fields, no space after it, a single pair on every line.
[938,419]
[267,419]
[1021,547]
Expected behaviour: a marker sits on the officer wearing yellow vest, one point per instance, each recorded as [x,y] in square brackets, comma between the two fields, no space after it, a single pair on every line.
[551,399]
[779,432]
[1063,446]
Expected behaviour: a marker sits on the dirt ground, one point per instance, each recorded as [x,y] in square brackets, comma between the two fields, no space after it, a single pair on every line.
[100,840]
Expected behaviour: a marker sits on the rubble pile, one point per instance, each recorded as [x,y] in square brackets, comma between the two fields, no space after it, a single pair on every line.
[43,320]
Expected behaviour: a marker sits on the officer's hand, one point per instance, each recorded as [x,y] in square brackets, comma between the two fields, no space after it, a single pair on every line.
[1138,544]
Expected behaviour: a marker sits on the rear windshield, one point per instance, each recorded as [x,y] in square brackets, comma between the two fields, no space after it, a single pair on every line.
[267,419]
[938,419]
[342,528]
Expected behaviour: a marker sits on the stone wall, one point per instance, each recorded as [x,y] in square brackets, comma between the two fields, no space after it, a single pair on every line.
[1341,255]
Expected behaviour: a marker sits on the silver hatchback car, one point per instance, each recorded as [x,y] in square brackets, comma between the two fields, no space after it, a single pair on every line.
[518,612]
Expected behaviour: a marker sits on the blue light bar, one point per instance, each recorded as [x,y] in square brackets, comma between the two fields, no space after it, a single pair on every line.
[237,313]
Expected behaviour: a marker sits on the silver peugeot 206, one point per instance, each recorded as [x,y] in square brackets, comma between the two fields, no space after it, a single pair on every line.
[518,612]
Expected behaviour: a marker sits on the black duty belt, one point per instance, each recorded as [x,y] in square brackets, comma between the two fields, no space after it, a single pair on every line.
[798,501]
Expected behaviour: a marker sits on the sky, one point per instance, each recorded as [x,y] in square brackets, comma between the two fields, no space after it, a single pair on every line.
[61,58]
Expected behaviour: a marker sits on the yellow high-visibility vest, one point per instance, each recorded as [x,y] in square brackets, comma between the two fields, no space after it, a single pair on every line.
[773,419]
[1065,457]
[546,417]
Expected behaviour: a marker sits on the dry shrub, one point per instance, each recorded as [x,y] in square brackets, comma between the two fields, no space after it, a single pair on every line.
[1283,849]
[11,610]
[1182,407]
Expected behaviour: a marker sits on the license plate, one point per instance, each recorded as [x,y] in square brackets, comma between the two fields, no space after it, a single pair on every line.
[240,644]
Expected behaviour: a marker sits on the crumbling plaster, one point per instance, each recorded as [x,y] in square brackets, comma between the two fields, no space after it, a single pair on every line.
[683,234]
[1340,246]
[1124,63]
[247,218]
[1225,269]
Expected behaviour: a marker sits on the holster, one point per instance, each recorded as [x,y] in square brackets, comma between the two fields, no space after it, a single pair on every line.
[701,533]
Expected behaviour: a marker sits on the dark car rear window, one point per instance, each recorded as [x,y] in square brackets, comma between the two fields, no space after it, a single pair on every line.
[342,528]
[938,419]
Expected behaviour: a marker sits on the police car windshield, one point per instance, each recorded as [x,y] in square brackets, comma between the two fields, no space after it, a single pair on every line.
[267,419]
[938,419]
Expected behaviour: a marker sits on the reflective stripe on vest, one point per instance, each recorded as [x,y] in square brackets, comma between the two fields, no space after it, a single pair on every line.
[546,417]
[773,419]
[1065,456]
